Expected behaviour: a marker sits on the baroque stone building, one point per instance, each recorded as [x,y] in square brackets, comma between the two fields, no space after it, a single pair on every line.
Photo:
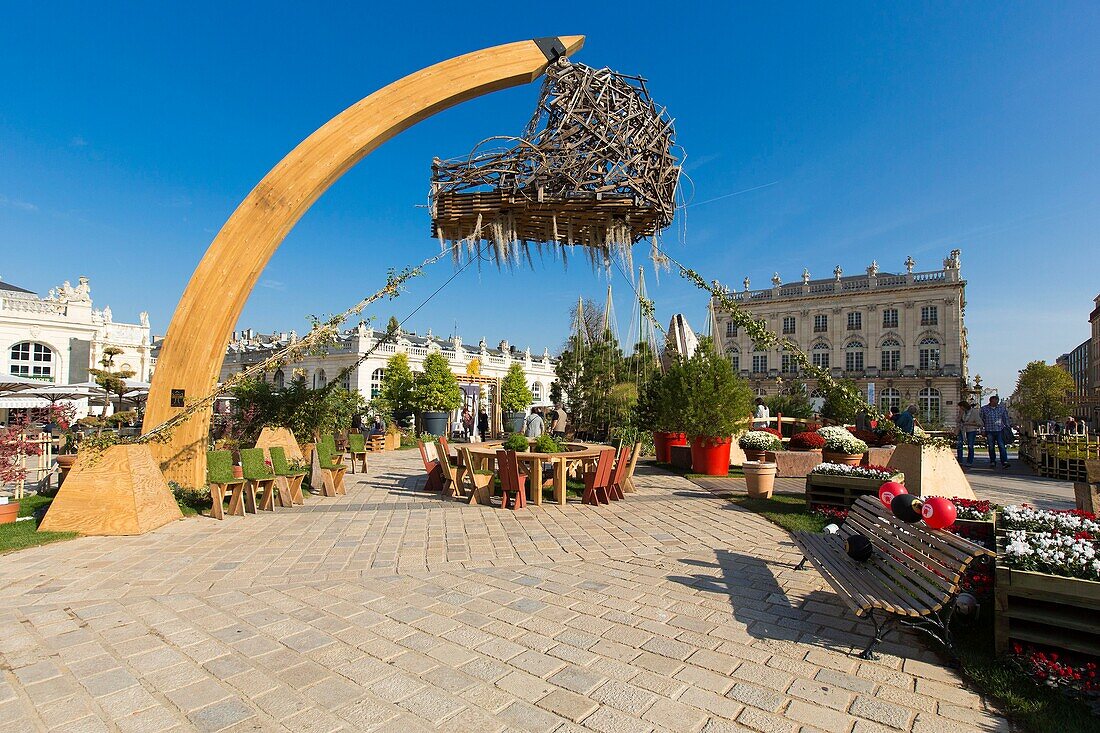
[900,336]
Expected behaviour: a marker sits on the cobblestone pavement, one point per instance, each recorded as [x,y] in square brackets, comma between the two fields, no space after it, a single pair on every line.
[392,610]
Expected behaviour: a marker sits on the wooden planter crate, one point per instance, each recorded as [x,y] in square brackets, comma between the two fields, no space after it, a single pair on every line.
[842,491]
[1048,610]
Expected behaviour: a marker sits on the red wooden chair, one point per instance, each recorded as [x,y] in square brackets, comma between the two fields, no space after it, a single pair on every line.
[431,468]
[446,445]
[595,482]
[615,486]
[511,480]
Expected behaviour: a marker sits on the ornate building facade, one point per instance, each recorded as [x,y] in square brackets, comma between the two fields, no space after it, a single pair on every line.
[248,347]
[58,338]
[901,336]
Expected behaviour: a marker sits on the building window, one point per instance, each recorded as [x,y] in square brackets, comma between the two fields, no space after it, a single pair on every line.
[734,355]
[376,382]
[788,324]
[345,381]
[929,353]
[279,379]
[536,391]
[890,318]
[319,379]
[929,315]
[928,401]
[855,321]
[760,362]
[731,330]
[891,355]
[788,365]
[821,324]
[32,359]
[890,400]
[820,356]
[853,357]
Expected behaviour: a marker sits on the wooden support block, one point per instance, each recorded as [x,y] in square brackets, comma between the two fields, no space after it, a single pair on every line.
[119,491]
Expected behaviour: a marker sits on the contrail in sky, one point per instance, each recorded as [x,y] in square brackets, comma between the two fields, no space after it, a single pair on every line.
[735,193]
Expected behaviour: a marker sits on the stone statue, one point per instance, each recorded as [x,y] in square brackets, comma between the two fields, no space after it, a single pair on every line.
[82,293]
[143,317]
[952,262]
[837,272]
[805,275]
[776,280]
[746,282]
[873,269]
[107,315]
[909,265]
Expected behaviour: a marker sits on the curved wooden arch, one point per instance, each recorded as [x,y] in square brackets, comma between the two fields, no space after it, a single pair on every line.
[198,335]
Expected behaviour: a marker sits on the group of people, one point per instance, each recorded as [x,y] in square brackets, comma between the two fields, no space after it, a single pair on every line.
[482,423]
[536,422]
[991,419]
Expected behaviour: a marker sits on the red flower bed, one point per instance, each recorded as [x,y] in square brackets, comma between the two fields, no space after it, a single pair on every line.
[830,512]
[773,431]
[871,438]
[806,441]
[1074,675]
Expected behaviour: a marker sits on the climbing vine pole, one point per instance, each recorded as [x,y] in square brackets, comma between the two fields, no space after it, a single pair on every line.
[194,348]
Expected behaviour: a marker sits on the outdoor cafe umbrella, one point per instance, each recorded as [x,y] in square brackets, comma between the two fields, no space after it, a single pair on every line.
[61,392]
[15,383]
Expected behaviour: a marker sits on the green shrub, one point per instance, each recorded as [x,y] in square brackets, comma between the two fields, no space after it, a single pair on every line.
[515,396]
[436,388]
[547,444]
[715,401]
[517,442]
[192,501]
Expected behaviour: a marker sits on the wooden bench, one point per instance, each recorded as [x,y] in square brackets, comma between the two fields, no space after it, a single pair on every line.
[912,579]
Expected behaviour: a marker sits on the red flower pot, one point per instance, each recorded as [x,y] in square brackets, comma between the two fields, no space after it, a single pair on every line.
[660,446]
[677,439]
[9,512]
[710,456]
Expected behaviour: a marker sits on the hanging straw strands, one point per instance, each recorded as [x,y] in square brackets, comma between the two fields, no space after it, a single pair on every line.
[595,168]
[322,333]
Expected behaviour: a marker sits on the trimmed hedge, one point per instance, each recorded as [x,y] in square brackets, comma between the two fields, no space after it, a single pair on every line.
[254,465]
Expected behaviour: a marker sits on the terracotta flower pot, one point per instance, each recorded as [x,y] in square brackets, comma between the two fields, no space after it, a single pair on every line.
[710,455]
[9,512]
[754,455]
[66,460]
[238,472]
[759,478]
[844,459]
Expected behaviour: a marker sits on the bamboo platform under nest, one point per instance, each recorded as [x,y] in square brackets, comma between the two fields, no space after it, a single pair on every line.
[595,168]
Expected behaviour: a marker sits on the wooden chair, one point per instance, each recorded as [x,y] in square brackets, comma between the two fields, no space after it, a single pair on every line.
[628,480]
[332,470]
[912,578]
[259,481]
[444,444]
[595,482]
[287,480]
[357,448]
[618,474]
[511,480]
[328,439]
[431,467]
[480,482]
[219,474]
[450,477]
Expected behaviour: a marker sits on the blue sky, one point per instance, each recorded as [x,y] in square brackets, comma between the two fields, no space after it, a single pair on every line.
[129,133]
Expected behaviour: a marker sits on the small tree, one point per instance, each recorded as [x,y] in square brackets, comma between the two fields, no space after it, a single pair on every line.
[842,405]
[113,381]
[716,400]
[393,326]
[395,397]
[515,396]
[793,400]
[1041,391]
[436,388]
[645,415]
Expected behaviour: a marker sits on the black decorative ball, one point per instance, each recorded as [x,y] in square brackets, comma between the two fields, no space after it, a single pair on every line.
[906,507]
[858,547]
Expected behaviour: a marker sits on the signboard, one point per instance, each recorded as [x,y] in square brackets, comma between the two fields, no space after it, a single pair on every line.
[177,398]
[871,393]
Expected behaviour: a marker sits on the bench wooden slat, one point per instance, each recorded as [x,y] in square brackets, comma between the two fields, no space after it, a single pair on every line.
[951,544]
[822,555]
[918,568]
[863,581]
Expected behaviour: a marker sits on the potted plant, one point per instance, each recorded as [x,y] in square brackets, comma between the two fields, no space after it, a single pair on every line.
[396,398]
[715,402]
[437,393]
[841,446]
[517,442]
[839,485]
[806,441]
[756,443]
[515,398]
[645,414]
[670,415]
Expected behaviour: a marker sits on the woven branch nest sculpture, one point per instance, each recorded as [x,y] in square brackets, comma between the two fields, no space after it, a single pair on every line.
[595,167]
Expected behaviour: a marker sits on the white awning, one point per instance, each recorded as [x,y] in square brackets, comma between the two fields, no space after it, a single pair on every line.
[24,402]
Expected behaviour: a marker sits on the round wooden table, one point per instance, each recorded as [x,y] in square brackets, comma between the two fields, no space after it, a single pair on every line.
[486,454]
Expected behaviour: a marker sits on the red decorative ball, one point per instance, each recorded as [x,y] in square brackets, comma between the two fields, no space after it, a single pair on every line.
[888,491]
[938,512]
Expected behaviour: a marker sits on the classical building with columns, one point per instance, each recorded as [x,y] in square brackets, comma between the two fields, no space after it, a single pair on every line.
[248,347]
[900,336]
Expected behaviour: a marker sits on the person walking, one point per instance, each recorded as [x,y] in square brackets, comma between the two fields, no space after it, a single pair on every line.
[560,422]
[533,426]
[968,422]
[467,422]
[995,421]
[483,424]
[906,420]
[761,417]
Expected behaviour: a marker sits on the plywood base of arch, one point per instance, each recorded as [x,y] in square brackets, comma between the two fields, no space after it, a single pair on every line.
[280,438]
[120,491]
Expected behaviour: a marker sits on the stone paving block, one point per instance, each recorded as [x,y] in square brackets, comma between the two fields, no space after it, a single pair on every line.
[832,721]
[883,712]
[577,679]
[568,705]
[107,682]
[815,692]
[147,721]
[220,715]
[607,720]
[525,716]
[758,720]
[712,702]
[625,697]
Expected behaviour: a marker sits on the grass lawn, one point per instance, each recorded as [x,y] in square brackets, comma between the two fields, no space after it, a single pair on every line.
[1035,708]
[20,535]
[733,472]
